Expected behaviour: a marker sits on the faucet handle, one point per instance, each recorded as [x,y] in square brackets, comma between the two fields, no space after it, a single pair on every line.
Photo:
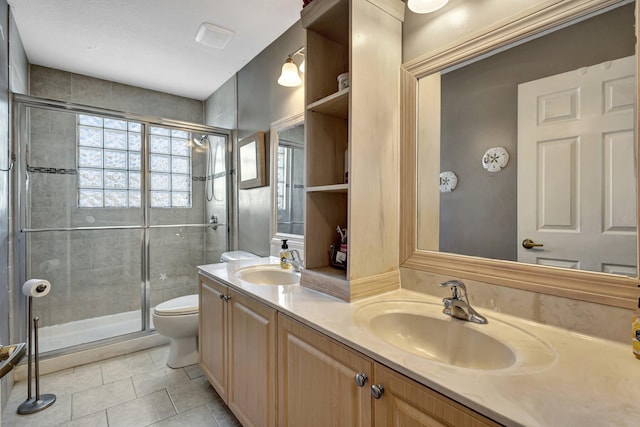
[295,255]
[454,285]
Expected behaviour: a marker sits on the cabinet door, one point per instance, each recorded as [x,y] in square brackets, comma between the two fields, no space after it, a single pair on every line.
[316,380]
[212,337]
[251,391]
[406,403]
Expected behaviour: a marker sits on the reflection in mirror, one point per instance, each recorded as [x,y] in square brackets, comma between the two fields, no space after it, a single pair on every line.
[562,106]
[287,153]
[290,184]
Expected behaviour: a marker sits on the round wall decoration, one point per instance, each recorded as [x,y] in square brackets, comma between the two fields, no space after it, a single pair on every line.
[448,182]
[495,159]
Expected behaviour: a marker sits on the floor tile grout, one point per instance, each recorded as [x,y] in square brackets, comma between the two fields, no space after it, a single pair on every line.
[187,395]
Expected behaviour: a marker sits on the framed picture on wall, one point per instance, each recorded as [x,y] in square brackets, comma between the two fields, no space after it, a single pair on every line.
[251,161]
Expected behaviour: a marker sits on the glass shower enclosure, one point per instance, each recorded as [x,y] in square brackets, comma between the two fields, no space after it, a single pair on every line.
[116,210]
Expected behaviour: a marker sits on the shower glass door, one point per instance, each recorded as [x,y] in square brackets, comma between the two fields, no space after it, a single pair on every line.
[114,211]
[187,210]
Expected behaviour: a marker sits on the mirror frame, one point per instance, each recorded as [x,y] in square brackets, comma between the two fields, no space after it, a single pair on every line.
[596,287]
[257,157]
[295,241]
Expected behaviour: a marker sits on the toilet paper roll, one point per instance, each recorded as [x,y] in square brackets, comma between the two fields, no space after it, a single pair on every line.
[36,288]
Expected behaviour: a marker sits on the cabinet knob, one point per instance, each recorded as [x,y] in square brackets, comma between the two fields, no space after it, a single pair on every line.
[227,297]
[221,296]
[361,379]
[377,391]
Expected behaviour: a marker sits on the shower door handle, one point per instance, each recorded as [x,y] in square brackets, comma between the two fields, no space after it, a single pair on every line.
[214,224]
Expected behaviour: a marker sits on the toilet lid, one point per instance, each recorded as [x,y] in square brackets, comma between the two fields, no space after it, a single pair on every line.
[237,255]
[187,304]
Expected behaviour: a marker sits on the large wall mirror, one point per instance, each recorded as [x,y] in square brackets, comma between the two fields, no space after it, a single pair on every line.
[287,183]
[525,153]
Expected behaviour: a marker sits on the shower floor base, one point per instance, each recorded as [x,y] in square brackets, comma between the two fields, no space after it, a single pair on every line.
[88,330]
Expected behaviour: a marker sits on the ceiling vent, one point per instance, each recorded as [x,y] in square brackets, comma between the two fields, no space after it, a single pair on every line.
[213,36]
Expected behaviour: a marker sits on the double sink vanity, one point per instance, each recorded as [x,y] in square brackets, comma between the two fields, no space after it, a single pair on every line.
[281,354]
[364,351]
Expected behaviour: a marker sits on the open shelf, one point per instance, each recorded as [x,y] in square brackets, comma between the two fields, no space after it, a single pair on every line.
[336,105]
[335,188]
[329,18]
[331,272]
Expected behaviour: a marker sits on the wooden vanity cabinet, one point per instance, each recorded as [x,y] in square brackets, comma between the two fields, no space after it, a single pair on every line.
[406,403]
[316,380]
[212,334]
[317,386]
[238,351]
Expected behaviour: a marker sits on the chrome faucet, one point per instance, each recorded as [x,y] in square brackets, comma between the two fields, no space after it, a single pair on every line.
[458,305]
[295,261]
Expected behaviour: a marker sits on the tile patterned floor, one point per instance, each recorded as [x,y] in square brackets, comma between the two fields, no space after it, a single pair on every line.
[135,390]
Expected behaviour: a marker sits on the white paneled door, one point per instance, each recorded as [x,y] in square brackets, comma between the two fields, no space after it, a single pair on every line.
[577,169]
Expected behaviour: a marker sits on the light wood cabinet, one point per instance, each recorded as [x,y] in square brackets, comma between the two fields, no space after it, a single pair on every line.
[212,334]
[317,387]
[406,403]
[362,37]
[238,351]
[316,380]
[312,381]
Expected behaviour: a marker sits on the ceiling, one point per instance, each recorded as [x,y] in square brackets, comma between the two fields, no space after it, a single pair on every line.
[150,43]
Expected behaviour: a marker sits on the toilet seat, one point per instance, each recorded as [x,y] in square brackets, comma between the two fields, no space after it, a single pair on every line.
[180,306]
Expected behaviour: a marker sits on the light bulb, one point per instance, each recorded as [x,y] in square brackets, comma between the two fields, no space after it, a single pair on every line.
[426,6]
[289,76]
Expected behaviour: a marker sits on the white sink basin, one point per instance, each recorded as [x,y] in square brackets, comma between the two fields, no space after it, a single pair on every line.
[267,274]
[422,329]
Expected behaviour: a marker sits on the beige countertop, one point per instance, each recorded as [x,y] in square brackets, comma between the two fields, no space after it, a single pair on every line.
[584,381]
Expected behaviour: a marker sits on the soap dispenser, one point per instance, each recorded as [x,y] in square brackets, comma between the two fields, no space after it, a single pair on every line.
[285,254]
[635,331]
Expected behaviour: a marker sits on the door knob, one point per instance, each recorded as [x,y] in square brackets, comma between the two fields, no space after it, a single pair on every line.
[530,244]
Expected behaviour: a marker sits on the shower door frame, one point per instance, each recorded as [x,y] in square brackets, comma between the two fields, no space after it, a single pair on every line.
[20,103]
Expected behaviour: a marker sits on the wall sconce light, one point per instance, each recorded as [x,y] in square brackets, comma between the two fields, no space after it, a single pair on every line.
[290,76]
[426,6]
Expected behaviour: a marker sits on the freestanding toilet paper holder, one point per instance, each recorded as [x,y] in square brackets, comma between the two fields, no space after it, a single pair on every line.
[34,288]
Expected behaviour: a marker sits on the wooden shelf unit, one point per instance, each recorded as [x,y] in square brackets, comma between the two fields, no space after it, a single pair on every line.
[365,119]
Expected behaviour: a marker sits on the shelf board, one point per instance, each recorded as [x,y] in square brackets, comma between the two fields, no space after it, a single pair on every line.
[336,104]
[331,272]
[335,188]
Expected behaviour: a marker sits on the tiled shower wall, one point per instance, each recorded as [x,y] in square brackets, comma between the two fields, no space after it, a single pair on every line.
[96,273]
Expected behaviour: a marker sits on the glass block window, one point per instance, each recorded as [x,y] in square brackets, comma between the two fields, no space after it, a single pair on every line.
[283,181]
[169,168]
[110,164]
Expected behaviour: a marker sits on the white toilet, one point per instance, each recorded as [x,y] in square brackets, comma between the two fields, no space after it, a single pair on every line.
[237,255]
[177,319]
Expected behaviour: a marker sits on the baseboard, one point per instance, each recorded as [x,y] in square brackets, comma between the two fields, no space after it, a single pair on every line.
[60,362]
